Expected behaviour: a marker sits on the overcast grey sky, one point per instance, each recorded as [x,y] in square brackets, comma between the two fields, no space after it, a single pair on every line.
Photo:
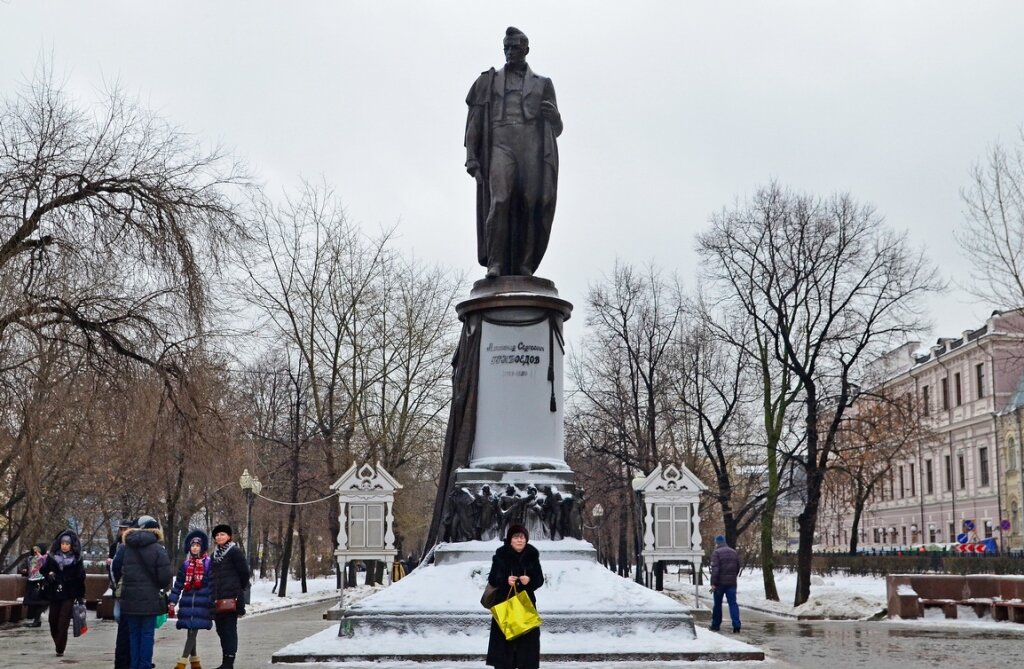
[672,109]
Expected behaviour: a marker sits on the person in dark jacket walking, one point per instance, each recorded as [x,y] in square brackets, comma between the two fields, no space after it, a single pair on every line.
[35,591]
[65,574]
[725,567]
[515,564]
[230,580]
[193,595]
[145,572]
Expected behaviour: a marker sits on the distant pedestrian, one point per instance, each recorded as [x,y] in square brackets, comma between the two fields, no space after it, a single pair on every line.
[515,563]
[230,580]
[191,597]
[725,567]
[65,575]
[35,593]
[145,572]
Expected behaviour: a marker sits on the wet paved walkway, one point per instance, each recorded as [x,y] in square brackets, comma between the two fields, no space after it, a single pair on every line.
[788,643]
[259,636]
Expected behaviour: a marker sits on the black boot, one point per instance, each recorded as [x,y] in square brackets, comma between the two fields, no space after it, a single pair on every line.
[228,662]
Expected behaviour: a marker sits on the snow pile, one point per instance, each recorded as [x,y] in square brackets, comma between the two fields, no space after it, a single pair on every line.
[568,586]
[318,590]
[832,598]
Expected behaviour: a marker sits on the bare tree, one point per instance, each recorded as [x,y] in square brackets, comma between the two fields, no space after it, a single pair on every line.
[312,277]
[716,389]
[110,222]
[618,412]
[833,287]
[880,425]
[993,232]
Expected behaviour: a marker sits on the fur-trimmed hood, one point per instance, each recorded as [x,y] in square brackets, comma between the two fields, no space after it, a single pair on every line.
[137,537]
[203,538]
[76,544]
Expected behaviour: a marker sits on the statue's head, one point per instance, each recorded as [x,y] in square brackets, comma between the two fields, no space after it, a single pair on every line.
[517,45]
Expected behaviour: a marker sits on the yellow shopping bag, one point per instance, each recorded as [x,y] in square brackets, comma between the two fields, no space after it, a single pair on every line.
[516,615]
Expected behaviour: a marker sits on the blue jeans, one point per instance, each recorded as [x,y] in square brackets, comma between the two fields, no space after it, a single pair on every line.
[141,633]
[734,608]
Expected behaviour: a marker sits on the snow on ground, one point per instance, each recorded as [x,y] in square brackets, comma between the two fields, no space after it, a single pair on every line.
[836,597]
[318,590]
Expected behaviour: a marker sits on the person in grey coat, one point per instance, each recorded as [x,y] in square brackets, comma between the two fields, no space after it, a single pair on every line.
[725,567]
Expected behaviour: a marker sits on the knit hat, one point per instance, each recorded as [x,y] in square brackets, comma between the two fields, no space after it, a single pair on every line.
[719,540]
[41,547]
[514,530]
[147,523]
[223,527]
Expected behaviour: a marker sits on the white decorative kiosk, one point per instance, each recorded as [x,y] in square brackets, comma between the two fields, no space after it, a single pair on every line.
[671,498]
[365,499]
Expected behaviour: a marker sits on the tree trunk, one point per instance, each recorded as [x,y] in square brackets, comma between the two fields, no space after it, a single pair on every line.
[771,592]
[808,519]
[858,510]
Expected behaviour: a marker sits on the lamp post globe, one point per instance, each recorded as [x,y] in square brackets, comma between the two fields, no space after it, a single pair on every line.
[251,486]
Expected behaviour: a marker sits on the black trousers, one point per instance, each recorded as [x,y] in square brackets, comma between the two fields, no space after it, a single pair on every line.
[60,620]
[123,645]
[227,630]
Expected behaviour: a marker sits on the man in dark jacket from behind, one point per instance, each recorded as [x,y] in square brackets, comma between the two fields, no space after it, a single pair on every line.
[145,573]
[725,567]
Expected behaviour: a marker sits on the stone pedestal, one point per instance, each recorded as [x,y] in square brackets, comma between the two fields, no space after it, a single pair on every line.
[519,418]
[517,472]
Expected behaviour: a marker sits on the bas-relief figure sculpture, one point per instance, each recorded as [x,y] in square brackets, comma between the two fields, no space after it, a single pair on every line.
[511,128]
[547,514]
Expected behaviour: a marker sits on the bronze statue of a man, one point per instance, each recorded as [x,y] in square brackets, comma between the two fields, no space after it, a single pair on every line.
[511,152]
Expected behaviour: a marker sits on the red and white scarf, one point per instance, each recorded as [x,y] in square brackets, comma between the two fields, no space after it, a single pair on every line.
[195,569]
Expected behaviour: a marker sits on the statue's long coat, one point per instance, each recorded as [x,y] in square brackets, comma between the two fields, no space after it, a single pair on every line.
[486,102]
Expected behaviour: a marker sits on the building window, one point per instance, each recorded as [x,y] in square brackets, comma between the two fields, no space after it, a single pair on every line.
[949,472]
[979,378]
[945,393]
[1011,454]
[983,465]
[929,477]
[931,535]
[874,535]
[892,485]
[926,408]
[913,481]
[1014,522]
[956,389]
[987,524]
[962,470]
[903,492]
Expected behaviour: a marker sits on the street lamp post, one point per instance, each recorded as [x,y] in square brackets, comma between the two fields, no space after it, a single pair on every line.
[598,514]
[251,486]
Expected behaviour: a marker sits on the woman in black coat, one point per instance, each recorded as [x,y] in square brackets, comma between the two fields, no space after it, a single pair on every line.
[65,573]
[230,580]
[515,563]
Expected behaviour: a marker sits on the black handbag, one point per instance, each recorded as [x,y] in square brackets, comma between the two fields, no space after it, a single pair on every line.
[490,597]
